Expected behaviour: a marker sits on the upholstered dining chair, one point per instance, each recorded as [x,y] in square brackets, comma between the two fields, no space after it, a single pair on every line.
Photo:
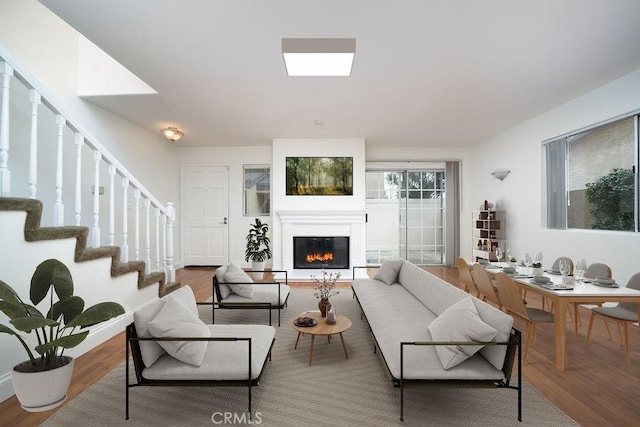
[512,303]
[486,291]
[464,273]
[623,313]
[597,270]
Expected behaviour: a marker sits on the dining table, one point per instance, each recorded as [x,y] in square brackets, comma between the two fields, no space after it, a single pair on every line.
[562,295]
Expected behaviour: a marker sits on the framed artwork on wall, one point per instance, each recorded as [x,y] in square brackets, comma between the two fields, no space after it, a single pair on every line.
[319,176]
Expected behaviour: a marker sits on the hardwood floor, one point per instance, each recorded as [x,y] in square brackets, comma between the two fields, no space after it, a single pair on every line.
[596,389]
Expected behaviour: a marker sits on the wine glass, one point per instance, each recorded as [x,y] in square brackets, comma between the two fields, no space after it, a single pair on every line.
[581,267]
[499,253]
[564,268]
[527,260]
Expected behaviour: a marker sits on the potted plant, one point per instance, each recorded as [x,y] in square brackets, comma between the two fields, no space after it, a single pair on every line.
[537,269]
[324,289]
[41,382]
[258,247]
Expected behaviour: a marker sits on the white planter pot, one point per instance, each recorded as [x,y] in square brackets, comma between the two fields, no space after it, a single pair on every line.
[41,391]
[537,272]
[257,265]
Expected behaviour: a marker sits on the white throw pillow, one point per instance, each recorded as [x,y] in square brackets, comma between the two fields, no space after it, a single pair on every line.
[460,322]
[225,290]
[388,271]
[235,274]
[176,320]
[149,350]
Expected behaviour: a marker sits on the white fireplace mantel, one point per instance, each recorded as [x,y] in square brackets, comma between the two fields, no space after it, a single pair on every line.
[322,223]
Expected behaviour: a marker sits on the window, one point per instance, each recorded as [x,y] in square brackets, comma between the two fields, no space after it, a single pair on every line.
[592,180]
[257,190]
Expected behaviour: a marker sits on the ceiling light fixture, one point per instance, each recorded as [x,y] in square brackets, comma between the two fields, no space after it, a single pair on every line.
[318,57]
[501,174]
[172,133]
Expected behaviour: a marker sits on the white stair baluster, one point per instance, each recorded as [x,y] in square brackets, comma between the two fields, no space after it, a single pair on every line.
[79,144]
[157,239]
[58,209]
[35,99]
[164,242]
[112,202]
[95,232]
[125,224]
[5,175]
[136,225]
[147,238]
[171,272]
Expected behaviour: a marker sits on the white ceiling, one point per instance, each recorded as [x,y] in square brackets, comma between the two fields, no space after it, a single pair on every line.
[427,73]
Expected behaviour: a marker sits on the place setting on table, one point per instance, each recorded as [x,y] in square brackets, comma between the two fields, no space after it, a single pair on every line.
[561,276]
[564,284]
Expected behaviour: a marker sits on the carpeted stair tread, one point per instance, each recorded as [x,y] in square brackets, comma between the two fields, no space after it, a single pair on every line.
[167,288]
[33,233]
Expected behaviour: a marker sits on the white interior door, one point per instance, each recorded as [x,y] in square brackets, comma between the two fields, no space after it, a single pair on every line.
[205,210]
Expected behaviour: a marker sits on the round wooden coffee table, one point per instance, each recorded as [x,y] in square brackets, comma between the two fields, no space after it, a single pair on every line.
[321,328]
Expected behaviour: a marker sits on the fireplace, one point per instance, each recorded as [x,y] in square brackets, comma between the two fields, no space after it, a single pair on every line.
[321,252]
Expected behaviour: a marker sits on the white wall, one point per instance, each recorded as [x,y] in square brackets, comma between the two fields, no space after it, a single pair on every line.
[521,194]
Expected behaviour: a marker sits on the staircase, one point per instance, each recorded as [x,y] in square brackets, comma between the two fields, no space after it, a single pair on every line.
[33,232]
[42,148]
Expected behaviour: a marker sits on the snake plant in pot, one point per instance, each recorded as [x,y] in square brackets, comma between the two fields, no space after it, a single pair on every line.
[41,382]
[258,250]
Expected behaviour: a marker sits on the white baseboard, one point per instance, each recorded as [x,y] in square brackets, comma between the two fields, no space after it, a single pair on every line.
[6,387]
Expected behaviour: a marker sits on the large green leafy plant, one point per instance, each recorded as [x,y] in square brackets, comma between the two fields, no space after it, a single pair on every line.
[58,329]
[612,199]
[258,242]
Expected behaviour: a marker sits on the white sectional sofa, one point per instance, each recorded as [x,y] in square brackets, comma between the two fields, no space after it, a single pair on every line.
[428,331]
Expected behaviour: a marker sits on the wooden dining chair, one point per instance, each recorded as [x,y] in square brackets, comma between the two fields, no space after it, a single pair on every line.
[597,270]
[556,267]
[512,303]
[464,273]
[485,288]
[623,313]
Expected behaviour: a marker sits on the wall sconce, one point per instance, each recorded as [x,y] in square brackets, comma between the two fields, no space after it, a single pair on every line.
[172,133]
[501,174]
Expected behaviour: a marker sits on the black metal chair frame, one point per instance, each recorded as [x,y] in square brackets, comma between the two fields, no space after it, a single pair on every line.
[515,341]
[217,296]
[133,343]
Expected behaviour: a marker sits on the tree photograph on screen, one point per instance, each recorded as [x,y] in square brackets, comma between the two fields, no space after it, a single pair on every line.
[319,176]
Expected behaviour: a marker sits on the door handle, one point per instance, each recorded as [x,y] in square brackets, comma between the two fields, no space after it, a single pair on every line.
[225,220]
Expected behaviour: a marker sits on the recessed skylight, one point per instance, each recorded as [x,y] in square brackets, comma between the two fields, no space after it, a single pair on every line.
[318,57]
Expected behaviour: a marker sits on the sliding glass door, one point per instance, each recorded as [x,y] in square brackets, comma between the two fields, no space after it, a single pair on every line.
[406,216]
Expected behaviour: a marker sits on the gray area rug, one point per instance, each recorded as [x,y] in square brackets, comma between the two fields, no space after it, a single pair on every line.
[335,391]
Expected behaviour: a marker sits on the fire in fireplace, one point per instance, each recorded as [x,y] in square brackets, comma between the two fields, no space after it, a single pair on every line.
[321,252]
